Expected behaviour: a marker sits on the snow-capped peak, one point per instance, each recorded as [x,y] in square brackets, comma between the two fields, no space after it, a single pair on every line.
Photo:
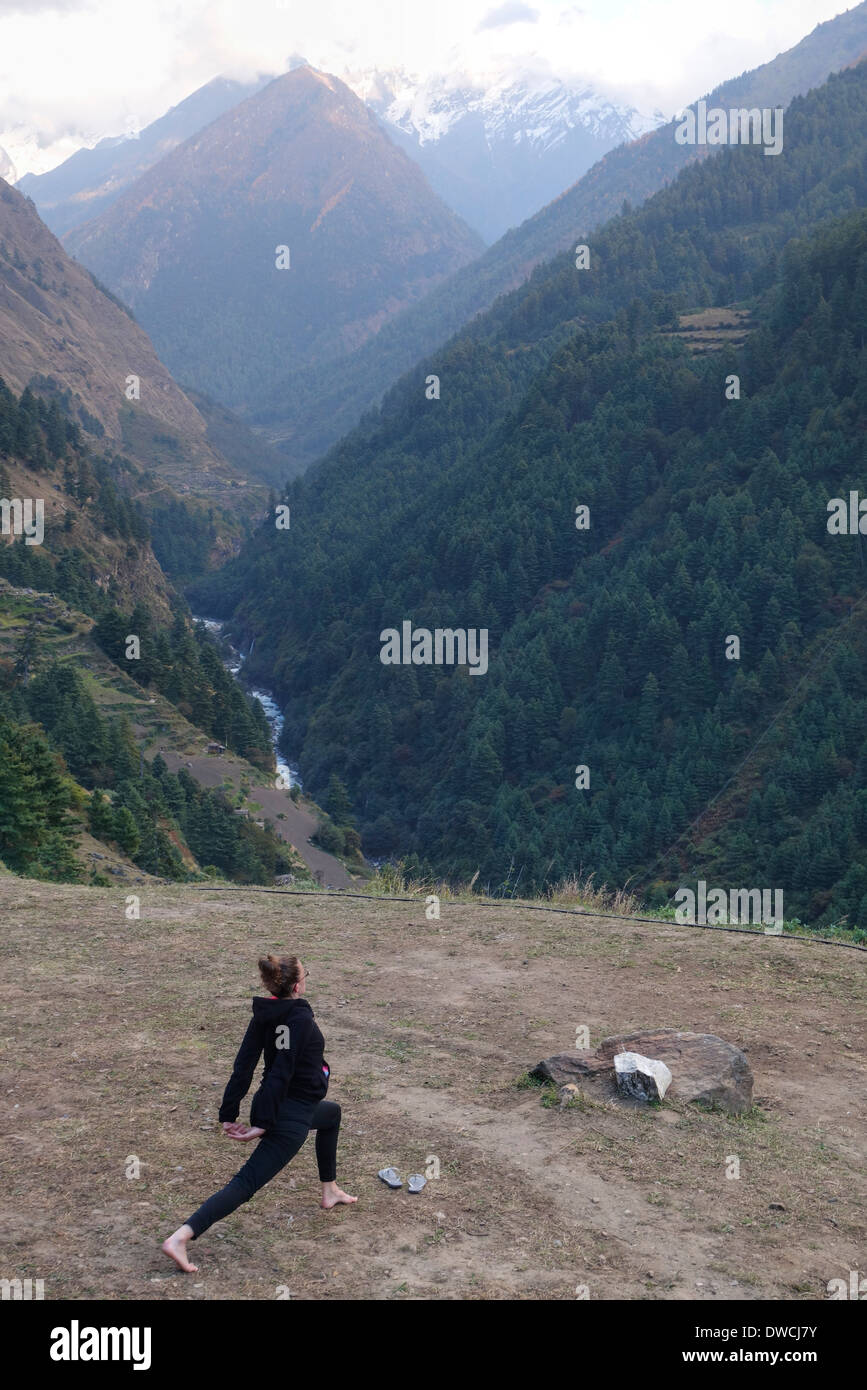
[535,107]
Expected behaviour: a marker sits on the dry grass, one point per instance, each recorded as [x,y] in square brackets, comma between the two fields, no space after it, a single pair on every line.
[118,1037]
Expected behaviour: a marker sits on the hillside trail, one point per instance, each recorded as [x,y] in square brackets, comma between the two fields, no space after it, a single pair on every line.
[292,823]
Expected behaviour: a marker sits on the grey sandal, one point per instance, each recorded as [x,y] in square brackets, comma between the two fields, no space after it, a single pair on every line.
[415,1182]
[391,1177]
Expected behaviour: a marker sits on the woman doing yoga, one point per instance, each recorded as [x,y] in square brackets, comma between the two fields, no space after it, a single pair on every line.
[288,1104]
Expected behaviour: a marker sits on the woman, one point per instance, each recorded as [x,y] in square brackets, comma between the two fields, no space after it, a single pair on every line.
[288,1104]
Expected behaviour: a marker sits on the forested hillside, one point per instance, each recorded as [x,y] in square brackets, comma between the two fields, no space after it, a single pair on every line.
[55,744]
[96,548]
[708,519]
[55,747]
[310,410]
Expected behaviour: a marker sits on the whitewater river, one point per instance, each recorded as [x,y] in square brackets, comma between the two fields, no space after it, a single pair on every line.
[234,665]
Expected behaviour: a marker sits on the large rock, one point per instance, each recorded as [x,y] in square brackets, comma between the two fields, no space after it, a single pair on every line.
[566,1067]
[704,1068]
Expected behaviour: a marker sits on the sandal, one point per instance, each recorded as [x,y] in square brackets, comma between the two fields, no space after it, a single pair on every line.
[391,1177]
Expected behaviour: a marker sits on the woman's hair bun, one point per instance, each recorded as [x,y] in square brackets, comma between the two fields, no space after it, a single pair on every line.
[280,973]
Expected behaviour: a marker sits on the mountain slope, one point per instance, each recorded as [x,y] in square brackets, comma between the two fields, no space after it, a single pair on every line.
[607,648]
[67,712]
[63,334]
[95,546]
[192,245]
[84,185]
[307,415]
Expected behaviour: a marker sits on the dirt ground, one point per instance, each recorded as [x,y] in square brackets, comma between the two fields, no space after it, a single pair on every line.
[118,1038]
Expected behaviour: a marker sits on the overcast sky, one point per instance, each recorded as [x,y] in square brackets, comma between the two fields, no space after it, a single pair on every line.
[72,71]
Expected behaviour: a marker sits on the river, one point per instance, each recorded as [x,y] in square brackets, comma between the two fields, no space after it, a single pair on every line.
[234,665]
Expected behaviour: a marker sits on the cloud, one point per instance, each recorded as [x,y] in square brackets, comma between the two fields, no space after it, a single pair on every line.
[513,12]
[73,71]
[29,7]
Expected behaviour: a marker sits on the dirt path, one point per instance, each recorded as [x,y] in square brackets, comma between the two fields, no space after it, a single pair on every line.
[119,1035]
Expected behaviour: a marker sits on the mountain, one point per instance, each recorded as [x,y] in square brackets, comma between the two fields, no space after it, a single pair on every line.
[498,153]
[609,645]
[193,245]
[309,414]
[89,181]
[67,337]
[494,153]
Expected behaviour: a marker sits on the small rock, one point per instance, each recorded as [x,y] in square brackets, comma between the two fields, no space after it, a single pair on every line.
[568,1092]
[643,1078]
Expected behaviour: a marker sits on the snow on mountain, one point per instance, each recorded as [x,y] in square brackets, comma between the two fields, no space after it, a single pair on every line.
[499,150]
[541,110]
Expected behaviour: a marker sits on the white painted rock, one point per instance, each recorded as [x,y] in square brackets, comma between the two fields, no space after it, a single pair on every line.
[641,1077]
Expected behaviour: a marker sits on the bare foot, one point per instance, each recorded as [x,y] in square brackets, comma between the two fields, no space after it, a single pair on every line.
[176,1249]
[332,1195]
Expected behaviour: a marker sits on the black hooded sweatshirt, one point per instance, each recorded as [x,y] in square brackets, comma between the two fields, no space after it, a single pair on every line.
[295,1068]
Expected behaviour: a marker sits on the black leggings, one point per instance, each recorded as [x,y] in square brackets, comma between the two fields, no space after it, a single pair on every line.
[273,1151]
